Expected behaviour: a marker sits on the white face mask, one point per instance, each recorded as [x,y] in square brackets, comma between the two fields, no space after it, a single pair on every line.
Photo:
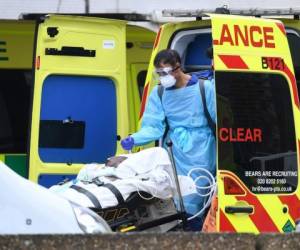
[167,81]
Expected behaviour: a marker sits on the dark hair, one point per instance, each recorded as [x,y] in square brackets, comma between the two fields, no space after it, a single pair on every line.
[167,56]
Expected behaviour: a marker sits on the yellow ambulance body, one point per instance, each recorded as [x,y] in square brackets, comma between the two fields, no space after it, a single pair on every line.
[122,55]
[16,50]
[256,71]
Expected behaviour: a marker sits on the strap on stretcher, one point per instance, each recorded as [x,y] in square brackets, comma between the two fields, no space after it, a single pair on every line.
[94,199]
[91,196]
[115,191]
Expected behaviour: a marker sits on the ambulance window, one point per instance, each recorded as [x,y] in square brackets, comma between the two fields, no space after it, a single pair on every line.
[294,44]
[256,132]
[192,46]
[14,110]
[141,78]
[78,119]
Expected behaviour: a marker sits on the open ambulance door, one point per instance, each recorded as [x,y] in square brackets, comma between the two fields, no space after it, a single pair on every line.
[16,50]
[184,37]
[79,102]
[139,43]
[258,126]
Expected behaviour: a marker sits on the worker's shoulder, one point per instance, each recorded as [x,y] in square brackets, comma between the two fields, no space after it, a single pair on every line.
[155,88]
[209,83]
[154,92]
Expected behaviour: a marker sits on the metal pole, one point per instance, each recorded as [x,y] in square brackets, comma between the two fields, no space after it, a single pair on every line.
[87,6]
[181,205]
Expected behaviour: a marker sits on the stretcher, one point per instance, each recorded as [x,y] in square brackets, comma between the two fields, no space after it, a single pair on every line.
[130,194]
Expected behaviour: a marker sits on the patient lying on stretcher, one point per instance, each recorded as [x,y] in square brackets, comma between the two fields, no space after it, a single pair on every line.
[107,185]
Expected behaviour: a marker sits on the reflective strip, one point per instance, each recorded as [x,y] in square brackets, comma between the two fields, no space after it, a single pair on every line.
[274,207]
[292,79]
[2,158]
[293,203]
[233,62]
[261,219]
[157,38]
[215,42]
[225,225]
[127,229]
[242,223]
[281,27]
[144,98]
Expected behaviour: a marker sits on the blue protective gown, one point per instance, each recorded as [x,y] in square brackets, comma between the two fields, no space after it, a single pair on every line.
[193,140]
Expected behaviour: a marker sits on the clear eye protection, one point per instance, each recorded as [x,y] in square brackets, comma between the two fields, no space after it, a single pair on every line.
[163,71]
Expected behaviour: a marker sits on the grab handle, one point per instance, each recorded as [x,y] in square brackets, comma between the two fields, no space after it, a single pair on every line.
[239,210]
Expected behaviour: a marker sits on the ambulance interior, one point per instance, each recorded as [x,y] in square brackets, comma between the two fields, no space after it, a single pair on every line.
[15,90]
[191,46]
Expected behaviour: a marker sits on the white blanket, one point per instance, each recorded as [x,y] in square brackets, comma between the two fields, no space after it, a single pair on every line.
[149,170]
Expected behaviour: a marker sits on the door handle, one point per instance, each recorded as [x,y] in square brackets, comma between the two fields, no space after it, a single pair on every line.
[238,210]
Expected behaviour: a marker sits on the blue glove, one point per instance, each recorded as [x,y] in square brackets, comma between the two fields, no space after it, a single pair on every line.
[127,143]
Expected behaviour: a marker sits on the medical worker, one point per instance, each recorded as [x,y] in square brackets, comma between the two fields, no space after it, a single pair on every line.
[181,106]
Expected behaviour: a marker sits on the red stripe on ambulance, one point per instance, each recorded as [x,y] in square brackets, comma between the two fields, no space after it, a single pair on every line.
[233,62]
[215,42]
[292,78]
[38,62]
[281,27]
[293,204]
[157,38]
[144,98]
[225,224]
[260,218]
[277,63]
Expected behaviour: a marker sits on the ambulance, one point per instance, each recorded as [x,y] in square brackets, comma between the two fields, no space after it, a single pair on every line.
[16,57]
[257,74]
[119,56]
[79,90]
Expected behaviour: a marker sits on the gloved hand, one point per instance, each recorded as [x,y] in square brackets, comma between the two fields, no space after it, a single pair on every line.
[127,143]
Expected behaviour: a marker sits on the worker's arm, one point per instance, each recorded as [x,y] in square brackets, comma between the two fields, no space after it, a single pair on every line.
[153,123]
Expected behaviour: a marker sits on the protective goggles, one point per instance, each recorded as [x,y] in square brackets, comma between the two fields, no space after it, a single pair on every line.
[165,71]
